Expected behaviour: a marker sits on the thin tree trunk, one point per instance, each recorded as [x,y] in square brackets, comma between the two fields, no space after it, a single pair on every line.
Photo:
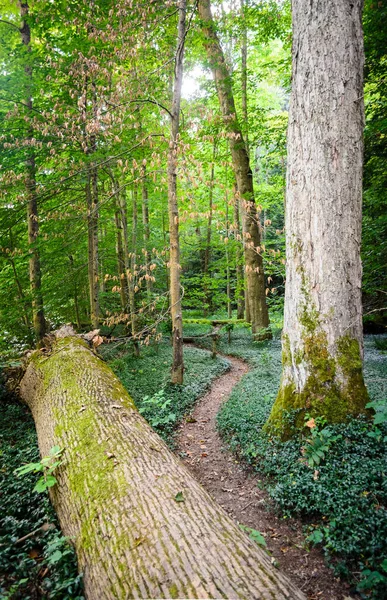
[92,243]
[120,246]
[245,112]
[241,165]
[228,283]
[207,251]
[32,204]
[322,336]
[141,524]
[245,116]
[240,296]
[146,230]
[75,292]
[120,258]
[177,370]
[133,274]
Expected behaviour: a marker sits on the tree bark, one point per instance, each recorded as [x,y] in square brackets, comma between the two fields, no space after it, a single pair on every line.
[35,274]
[241,165]
[245,112]
[322,336]
[92,242]
[207,251]
[120,246]
[142,526]
[240,295]
[177,370]
[146,231]
[133,273]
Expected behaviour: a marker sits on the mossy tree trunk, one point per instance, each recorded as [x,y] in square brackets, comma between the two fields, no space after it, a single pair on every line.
[322,337]
[243,175]
[142,526]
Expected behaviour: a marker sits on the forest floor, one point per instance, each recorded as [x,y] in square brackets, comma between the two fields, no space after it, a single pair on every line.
[238,489]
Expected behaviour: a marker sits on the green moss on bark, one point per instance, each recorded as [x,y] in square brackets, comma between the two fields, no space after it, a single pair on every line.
[335,388]
[95,478]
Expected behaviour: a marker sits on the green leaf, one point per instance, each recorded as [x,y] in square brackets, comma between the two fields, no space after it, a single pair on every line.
[55,557]
[255,535]
[31,467]
[380,418]
[40,486]
[51,481]
[316,537]
[383,564]
[179,497]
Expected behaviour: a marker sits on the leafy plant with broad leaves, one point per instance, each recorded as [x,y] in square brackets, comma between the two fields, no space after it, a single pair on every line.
[47,465]
[380,418]
[322,438]
[254,535]
[156,409]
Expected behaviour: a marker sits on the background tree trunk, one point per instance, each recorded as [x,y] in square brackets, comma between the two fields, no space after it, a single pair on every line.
[146,231]
[177,370]
[35,274]
[243,175]
[207,250]
[133,273]
[240,294]
[141,524]
[322,337]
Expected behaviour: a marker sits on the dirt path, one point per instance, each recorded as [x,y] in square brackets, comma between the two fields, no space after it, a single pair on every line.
[237,489]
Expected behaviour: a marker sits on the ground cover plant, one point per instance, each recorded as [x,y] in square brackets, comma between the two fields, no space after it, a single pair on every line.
[332,476]
[44,564]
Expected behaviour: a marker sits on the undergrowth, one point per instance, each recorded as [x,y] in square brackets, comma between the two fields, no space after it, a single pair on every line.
[147,381]
[343,499]
[44,565]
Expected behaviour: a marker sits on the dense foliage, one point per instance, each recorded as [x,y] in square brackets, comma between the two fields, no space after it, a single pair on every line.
[343,493]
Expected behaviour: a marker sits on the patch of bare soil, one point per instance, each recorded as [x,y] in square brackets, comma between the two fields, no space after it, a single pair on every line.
[239,491]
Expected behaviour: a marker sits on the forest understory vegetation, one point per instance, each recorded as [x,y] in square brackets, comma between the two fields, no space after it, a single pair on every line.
[339,494]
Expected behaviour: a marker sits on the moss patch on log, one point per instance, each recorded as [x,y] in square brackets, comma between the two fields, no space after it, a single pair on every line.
[99,480]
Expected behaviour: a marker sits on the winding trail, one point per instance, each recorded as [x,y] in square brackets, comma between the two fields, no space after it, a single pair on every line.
[238,490]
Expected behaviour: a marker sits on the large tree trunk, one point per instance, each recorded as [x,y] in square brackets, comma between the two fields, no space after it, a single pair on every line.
[32,203]
[243,175]
[322,337]
[177,370]
[142,526]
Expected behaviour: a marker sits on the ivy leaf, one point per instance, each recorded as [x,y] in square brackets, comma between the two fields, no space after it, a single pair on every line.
[179,497]
[316,537]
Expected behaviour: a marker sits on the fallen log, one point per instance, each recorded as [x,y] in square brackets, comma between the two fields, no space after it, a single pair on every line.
[142,526]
